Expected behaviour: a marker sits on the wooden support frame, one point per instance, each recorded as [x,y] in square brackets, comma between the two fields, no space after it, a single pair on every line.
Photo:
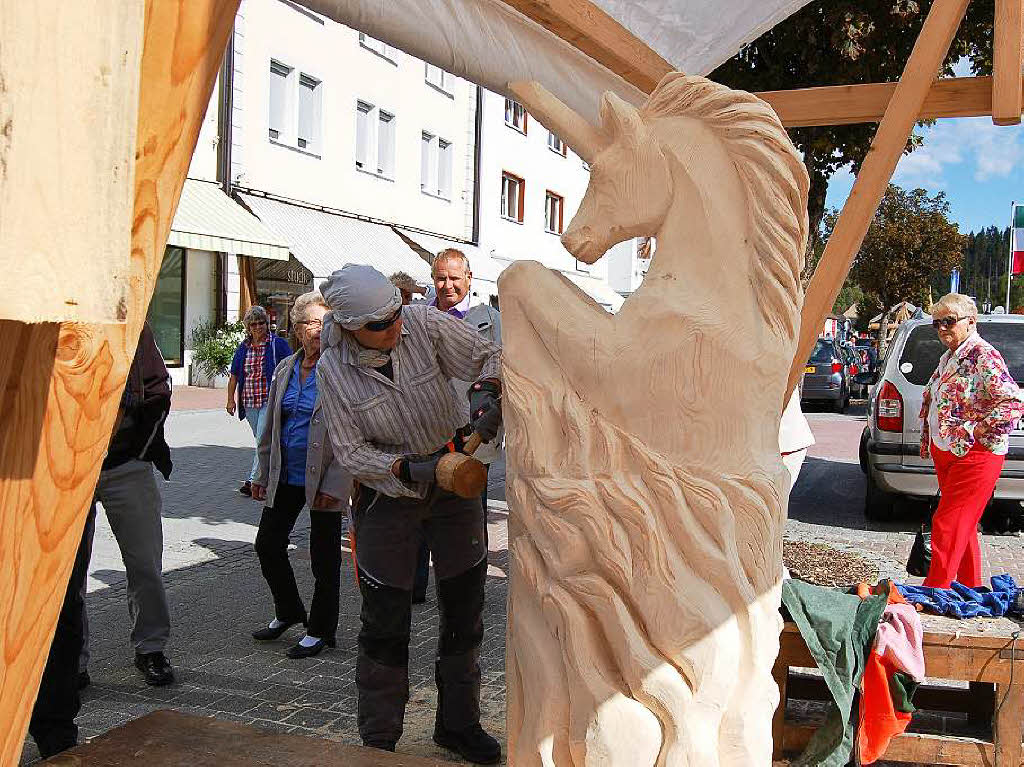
[930,49]
[63,381]
[1008,26]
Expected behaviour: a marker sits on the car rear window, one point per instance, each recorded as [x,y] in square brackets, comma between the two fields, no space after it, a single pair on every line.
[923,349]
[822,352]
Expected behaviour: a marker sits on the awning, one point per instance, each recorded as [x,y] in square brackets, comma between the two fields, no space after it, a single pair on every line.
[324,241]
[207,219]
[480,262]
[597,289]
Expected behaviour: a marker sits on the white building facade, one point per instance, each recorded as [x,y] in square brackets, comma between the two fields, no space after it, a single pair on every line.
[334,147]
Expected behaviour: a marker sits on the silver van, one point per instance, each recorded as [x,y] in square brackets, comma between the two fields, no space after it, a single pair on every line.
[890,442]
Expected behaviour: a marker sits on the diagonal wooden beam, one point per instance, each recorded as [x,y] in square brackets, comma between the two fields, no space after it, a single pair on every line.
[929,50]
[588,28]
[1006,61]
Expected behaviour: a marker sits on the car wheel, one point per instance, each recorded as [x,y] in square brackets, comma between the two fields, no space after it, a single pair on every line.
[878,504]
[862,453]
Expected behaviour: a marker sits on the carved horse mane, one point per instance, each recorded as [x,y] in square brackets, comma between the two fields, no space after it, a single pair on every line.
[772,173]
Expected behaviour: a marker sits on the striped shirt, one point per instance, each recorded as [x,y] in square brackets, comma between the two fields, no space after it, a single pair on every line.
[255,389]
[373,421]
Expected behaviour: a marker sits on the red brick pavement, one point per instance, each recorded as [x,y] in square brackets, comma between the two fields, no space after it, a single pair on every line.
[197,398]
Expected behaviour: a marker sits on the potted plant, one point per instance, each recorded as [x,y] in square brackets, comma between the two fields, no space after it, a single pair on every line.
[213,347]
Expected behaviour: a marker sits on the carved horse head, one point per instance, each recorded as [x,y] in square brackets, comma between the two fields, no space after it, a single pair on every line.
[642,159]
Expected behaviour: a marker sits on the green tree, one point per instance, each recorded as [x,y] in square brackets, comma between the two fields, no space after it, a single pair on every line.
[909,240]
[843,42]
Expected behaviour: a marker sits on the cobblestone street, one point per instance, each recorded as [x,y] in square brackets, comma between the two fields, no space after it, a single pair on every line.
[218,594]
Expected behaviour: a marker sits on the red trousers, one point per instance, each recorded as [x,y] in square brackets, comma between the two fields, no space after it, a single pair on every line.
[966,484]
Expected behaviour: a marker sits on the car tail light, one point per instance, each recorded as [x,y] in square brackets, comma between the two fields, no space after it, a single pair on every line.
[837,367]
[889,409]
[854,370]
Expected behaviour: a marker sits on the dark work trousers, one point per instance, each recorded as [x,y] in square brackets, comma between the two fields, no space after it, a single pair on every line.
[419,588]
[324,557]
[388,532]
[52,725]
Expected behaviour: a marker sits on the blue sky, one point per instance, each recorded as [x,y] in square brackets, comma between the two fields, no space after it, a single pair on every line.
[978,165]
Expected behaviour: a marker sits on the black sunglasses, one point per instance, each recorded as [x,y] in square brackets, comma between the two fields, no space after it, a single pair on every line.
[380,325]
[946,322]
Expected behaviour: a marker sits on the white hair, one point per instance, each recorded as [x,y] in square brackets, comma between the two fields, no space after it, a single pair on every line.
[447,254]
[956,304]
[303,303]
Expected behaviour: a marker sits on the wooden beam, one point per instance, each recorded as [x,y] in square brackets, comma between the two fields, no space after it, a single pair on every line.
[1006,61]
[918,76]
[589,29]
[847,104]
[66,389]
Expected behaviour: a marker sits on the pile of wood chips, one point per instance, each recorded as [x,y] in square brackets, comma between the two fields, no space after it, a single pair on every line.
[826,566]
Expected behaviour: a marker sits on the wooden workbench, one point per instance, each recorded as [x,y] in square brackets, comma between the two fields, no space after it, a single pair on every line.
[980,651]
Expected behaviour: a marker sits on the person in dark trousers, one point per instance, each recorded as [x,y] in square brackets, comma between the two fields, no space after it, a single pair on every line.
[297,469]
[131,500]
[385,383]
[52,725]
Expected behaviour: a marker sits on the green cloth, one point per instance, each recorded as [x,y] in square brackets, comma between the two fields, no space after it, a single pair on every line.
[839,630]
[901,689]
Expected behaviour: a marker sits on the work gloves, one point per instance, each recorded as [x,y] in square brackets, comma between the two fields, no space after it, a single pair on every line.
[420,468]
[485,409]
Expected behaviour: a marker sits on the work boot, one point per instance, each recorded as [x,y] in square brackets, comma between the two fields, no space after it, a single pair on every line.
[155,668]
[472,743]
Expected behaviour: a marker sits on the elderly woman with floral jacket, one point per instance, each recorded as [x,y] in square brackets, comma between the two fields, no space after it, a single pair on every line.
[971,404]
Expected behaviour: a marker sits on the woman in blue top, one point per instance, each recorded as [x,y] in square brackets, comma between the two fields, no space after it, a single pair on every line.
[296,468]
[251,370]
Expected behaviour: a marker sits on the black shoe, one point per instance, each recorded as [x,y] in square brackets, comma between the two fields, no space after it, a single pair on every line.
[84,680]
[297,651]
[154,667]
[246,489]
[379,745]
[266,633]
[472,744]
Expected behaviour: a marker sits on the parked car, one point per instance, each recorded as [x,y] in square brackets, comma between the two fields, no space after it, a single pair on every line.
[889,450]
[865,348]
[827,375]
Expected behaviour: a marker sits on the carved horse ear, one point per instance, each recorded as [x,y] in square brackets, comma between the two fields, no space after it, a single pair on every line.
[620,119]
[582,137]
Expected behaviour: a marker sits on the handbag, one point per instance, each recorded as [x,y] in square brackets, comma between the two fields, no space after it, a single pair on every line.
[920,558]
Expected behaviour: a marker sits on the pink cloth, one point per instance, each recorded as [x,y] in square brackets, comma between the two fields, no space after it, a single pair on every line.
[900,637]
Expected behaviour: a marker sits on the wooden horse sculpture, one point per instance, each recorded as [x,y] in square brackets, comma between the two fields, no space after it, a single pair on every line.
[646,488]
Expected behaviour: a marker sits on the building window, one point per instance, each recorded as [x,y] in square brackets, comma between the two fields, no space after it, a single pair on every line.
[309,113]
[556,144]
[513,192]
[438,78]
[553,204]
[515,115]
[167,308]
[383,50]
[386,144]
[279,74]
[364,113]
[435,166]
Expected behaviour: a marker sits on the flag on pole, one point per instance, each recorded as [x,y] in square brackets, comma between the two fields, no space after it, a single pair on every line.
[1017,240]
[954,281]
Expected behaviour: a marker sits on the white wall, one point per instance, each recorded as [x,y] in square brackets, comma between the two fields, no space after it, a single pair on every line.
[204,158]
[331,53]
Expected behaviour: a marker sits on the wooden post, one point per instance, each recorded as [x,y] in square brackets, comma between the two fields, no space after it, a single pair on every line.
[1006,62]
[63,382]
[930,49]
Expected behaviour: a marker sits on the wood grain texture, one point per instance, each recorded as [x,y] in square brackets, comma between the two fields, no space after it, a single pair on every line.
[1006,61]
[69,94]
[886,149]
[586,27]
[50,453]
[646,491]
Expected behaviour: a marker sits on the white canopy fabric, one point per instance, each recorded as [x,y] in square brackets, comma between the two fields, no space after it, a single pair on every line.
[489,43]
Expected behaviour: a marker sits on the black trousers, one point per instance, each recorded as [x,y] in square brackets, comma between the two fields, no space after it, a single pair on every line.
[276,525]
[52,725]
[388,532]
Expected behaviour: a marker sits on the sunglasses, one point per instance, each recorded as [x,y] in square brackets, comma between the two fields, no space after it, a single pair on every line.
[946,323]
[380,325]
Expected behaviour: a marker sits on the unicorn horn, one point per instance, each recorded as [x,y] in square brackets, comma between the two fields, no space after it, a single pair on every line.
[582,137]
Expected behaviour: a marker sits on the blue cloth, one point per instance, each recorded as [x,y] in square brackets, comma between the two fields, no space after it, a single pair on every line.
[296,412]
[278,350]
[958,601]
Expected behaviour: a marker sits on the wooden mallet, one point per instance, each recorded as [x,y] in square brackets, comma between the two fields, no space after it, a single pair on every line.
[461,473]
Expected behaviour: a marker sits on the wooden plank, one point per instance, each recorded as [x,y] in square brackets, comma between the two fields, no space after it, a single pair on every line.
[1007,723]
[848,104]
[171,738]
[917,748]
[589,29]
[929,50]
[66,143]
[781,675]
[43,501]
[1006,61]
